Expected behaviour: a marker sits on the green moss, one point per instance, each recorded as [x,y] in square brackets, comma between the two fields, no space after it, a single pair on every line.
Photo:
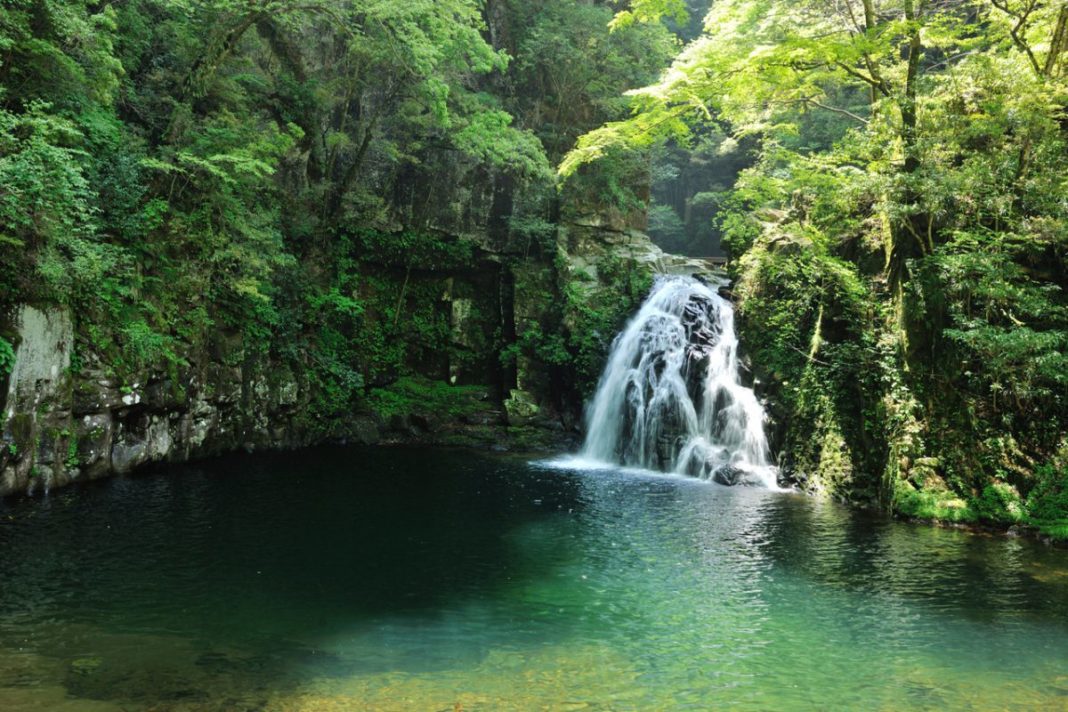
[420,395]
[808,320]
[1047,502]
[7,356]
[594,312]
[21,426]
[998,502]
[525,437]
[1045,509]
[834,466]
[1054,530]
[71,460]
[942,506]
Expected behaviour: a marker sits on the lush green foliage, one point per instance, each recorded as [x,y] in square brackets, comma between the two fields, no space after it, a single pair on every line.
[594,313]
[901,235]
[7,356]
[301,185]
[431,398]
[320,185]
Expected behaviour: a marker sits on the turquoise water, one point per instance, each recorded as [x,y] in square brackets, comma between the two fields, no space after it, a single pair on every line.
[340,578]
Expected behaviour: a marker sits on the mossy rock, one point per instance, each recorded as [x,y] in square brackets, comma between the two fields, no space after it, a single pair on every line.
[942,506]
[521,408]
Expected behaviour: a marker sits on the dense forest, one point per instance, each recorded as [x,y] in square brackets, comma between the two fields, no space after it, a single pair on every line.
[320,208]
[169,168]
[291,187]
[899,237]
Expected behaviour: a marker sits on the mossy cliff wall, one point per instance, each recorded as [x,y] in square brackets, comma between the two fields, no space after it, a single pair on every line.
[64,423]
[454,339]
[863,410]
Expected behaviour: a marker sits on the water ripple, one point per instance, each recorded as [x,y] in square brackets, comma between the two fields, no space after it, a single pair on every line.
[336,578]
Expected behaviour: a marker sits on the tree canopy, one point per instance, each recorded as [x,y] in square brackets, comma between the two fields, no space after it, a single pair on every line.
[905,213]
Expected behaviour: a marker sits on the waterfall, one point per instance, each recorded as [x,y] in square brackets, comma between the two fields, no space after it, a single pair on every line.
[670,397]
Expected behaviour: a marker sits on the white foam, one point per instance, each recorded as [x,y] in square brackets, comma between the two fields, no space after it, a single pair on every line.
[648,413]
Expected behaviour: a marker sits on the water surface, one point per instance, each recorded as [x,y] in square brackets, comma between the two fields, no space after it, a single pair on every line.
[343,578]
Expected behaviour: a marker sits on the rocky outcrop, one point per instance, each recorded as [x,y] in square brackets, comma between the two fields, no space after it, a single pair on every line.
[591,242]
[70,420]
[37,436]
[64,424]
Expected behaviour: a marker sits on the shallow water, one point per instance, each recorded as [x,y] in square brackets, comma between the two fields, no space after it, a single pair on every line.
[338,579]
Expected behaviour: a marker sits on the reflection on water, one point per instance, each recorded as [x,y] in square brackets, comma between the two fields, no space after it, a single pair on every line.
[417,579]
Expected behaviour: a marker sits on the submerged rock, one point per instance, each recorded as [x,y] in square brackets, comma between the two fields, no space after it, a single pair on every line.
[365,431]
[730,476]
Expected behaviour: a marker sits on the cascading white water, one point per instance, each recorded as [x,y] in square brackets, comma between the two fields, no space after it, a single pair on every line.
[670,398]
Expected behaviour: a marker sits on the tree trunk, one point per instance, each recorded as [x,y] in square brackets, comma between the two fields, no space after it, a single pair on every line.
[906,237]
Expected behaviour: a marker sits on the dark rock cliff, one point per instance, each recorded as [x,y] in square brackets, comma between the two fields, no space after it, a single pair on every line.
[69,418]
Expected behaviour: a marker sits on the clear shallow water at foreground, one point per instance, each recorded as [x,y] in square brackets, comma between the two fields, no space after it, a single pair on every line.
[340,579]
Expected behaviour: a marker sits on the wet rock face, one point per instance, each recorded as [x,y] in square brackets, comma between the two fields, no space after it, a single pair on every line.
[702,326]
[703,332]
[729,476]
[700,334]
[61,426]
[36,435]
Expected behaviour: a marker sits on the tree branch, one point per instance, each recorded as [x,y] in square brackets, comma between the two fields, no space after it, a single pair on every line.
[1021,23]
[835,109]
[877,84]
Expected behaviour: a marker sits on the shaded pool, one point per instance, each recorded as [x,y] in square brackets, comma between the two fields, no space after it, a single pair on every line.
[347,578]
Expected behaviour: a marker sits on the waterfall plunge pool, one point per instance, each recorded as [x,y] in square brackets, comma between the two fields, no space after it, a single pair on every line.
[414,579]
